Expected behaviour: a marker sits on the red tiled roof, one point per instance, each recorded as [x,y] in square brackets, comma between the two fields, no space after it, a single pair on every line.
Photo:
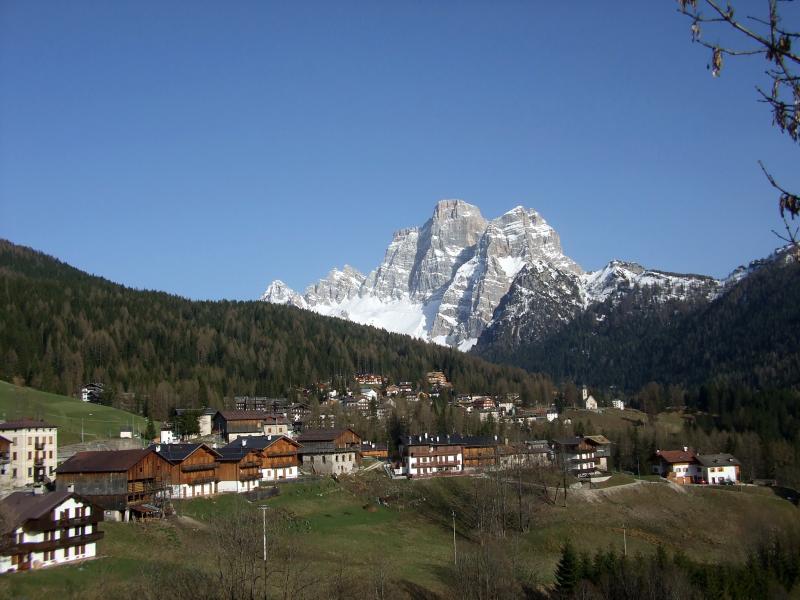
[677,456]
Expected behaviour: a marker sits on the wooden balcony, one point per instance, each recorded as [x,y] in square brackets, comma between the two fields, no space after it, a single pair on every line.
[250,464]
[198,467]
[64,542]
[201,480]
[249,476]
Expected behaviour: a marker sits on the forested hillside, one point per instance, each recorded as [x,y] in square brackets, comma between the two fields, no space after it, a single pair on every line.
[749,336]
[60,327]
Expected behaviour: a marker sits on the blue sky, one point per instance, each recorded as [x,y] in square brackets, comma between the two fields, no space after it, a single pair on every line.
[206,148]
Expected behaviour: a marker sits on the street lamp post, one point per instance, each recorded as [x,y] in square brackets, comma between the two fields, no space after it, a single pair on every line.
[264,509]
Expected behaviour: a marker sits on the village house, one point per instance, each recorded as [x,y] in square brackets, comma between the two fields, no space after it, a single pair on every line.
[42,529]
[33,451]
[368,393]
[429,456]
[678,466]
[392,390]
[239,468]
[478,451]
[376,450]
[602,450]
[330,451]
[279,455]
[92,392]
[536,453]
[369,379]
[5,461]
[231,424]
[193,468]
[506,407]
[719,468]
[126,484]
[618,404]
[576,455]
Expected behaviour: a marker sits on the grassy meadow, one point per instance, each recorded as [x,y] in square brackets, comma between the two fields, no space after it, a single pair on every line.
[69,414]
[409,535]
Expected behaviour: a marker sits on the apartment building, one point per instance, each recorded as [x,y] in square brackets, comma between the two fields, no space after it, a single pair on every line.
[32,452]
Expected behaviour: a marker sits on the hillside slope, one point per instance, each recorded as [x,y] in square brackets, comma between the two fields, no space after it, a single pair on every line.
[74,418]
[750,334]
[61,327]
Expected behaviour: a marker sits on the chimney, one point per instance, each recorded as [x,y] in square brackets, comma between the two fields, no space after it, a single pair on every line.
[244,442]
[38,490]
[71,488]
[686,448]
[158,447]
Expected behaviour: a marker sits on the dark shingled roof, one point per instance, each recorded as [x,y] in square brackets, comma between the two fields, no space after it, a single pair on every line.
[234,454]
[248,415]
[101,461]
[717,460]
[24,424]
[19,507]
[321,435]
[179,452]
[257,442]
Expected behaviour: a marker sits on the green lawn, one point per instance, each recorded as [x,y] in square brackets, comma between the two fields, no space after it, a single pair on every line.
[343,525]
[69,414]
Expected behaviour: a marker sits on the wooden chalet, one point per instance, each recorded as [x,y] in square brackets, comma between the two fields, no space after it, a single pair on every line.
[232,424]
[576,455]
[376,450]
[41,529]
[124,483]
[279,455]
[239,469]
[479,452]
[192,468]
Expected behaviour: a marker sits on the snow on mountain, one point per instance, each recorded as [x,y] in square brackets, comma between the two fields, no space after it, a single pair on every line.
[457,274]
[280,293]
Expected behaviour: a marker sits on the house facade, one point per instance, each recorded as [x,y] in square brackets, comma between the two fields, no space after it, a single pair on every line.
[278,454]
[576,456]
[239,469]
[42,529]
[232,424]
[430,456]
[193,468]
[719,468]
[677,466]
[33,451]
[330,451]
[126,484]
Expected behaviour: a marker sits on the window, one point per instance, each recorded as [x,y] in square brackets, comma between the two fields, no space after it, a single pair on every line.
[29,455]
[50,439]
[50,454]
[30,472]
[14,457]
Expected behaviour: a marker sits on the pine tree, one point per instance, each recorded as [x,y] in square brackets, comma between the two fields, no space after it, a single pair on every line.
[150,430]
[567,571]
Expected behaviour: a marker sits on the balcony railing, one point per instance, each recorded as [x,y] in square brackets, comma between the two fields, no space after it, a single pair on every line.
[250,464]
[39,445]
[198,467]
[46,546]
[201,481]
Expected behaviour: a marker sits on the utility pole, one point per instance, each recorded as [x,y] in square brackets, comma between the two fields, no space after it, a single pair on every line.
[264,510]
[455,555]
[624,541]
